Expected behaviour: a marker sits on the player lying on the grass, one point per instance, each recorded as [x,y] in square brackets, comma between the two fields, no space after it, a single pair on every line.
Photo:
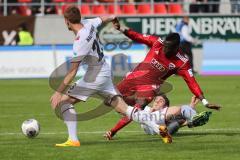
[97,79]
[162,113]
[164,59]
[184,115]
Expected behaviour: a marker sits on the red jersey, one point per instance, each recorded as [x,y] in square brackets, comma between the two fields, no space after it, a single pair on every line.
[156,67]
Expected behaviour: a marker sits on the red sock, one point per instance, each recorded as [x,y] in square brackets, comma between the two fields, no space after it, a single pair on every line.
[121,123]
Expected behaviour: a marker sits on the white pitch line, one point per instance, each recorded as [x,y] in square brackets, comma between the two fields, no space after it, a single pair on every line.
[100,132]
[23,115]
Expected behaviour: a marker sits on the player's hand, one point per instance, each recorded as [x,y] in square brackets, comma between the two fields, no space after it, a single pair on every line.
[116,23]
[55,99]
[194,101]
[213,106]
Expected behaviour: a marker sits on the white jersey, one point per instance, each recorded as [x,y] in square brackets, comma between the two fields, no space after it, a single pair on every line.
[157,117]
[88,49]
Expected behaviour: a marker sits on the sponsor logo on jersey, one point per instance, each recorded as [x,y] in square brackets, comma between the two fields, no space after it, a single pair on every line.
[157,65]
[182,58]
[171,66]
[190,72]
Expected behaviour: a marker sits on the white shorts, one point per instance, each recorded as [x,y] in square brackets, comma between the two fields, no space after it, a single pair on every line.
[102,86]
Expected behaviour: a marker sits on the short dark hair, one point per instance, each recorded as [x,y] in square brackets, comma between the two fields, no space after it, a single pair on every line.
[174,38]
[72,14]
[23,26]
[167,101]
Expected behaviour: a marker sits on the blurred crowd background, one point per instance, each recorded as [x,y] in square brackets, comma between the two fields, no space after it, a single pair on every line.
[123,7]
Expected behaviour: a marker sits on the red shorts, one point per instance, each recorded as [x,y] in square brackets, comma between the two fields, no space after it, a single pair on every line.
[133,91]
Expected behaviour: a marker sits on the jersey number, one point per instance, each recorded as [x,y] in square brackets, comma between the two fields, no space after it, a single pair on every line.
[99,50]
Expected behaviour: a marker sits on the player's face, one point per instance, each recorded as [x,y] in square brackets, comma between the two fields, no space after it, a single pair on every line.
[68,24]
[170,49]
[158,103]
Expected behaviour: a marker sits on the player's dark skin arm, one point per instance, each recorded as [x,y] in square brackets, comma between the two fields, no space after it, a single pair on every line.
[195,88]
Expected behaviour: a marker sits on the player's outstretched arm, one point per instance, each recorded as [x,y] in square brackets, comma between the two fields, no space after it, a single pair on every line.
[186,73]
[133,35]
[106,19]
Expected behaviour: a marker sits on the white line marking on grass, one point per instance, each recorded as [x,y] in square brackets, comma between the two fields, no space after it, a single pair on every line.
[23,115]
[101,132]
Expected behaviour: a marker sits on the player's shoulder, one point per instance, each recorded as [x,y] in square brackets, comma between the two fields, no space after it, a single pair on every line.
[158,42]
[86,21]
[92,22]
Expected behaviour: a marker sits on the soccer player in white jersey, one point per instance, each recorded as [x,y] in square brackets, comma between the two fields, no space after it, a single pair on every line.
[185,115]
[97,79]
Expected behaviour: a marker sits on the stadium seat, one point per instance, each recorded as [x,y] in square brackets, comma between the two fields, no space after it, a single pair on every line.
[175,9]
[24,1]
[64,7]
[60,9]
[160,9]
[24,10]
[129,9]
[144,8]
[71,1]
[85,9]
[110,9]
[98,9]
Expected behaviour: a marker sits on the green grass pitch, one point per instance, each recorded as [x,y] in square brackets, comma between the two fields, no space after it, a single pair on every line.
[24,99]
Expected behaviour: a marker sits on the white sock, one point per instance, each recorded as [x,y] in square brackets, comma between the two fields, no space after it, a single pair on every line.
[70,119]
[142,117]
[188,112]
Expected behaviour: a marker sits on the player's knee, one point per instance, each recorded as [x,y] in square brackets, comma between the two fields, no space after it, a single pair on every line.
[112,100]
[188,112]
[68,99]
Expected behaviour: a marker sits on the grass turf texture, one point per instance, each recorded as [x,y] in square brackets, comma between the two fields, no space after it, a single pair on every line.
[24,99]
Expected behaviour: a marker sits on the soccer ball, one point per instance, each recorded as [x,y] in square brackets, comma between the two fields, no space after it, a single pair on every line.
[30,128]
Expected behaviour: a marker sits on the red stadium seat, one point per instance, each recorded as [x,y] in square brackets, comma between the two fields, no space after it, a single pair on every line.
[144,8]
[64,7]
[85,9]
[60,9]
[71,1]
[175,9]
[129,9]
[24,10]
[24,1]
[110,9]
[98,9]
[160,9]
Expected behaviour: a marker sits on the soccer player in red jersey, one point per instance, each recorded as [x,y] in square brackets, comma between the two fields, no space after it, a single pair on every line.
[164,59]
